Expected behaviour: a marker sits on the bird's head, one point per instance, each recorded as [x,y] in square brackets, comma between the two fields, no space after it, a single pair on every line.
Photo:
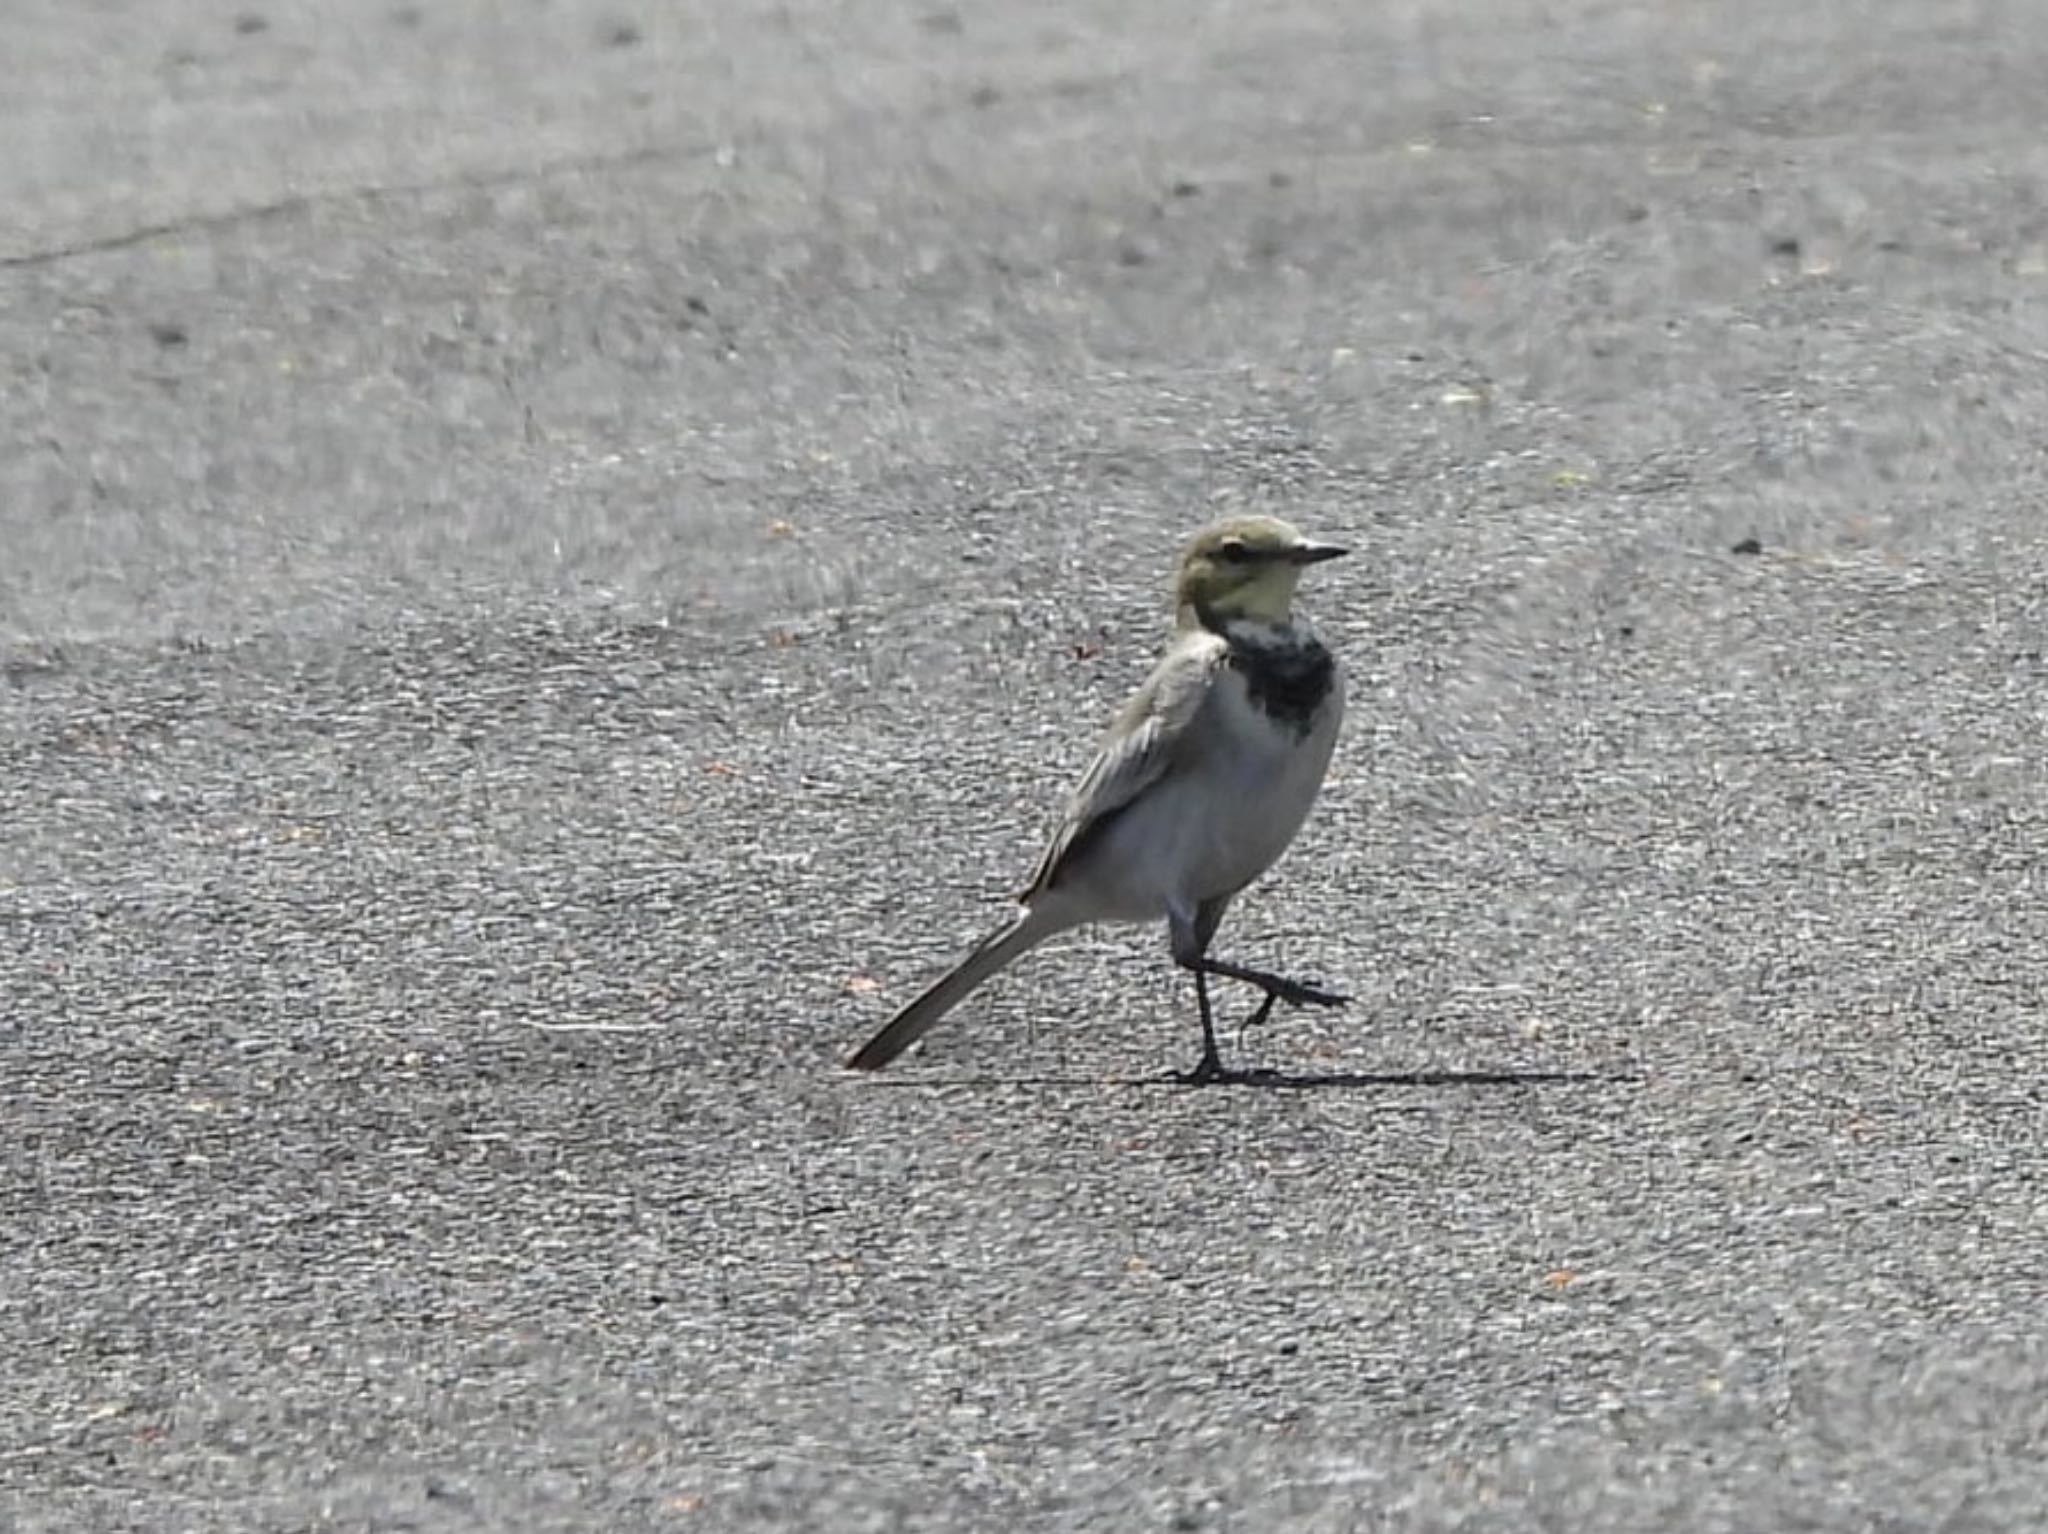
[1244,567]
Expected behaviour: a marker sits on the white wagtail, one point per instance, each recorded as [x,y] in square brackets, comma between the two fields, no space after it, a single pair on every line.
[1198,788]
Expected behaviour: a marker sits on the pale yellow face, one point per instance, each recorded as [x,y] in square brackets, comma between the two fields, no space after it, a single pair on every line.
[1246,567]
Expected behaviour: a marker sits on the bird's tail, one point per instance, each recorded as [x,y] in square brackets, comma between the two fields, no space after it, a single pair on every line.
[922,1015]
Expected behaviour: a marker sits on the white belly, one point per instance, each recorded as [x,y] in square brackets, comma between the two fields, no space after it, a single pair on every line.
[1225,814]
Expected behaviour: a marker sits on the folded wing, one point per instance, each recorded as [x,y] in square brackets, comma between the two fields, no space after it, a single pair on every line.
[1140,749]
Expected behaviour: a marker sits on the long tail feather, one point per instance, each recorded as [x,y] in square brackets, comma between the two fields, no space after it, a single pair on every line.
[923,1014]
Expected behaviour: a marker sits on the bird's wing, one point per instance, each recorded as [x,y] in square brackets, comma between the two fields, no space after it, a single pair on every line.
[1140,748]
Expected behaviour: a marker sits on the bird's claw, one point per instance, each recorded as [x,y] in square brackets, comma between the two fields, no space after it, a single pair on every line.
[1298,993]
[1295,993]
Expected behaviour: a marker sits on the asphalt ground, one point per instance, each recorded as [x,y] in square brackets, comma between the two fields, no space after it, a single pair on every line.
[557,559]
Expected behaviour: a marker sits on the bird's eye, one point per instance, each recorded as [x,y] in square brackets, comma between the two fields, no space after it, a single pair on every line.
[1233,551]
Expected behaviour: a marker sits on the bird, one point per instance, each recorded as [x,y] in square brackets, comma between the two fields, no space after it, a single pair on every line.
[1199,786]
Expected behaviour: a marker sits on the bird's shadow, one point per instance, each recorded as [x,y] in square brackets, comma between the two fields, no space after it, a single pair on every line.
[1291,1081]
[1325,1081]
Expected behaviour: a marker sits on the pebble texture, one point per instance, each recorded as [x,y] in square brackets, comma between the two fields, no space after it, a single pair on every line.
[556,561]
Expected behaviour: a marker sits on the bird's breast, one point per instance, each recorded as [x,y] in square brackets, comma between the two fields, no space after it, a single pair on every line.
[1263,770]
[1287,673]
[1245,771]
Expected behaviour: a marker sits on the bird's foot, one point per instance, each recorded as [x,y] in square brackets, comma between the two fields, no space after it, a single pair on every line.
[1298,993]
[1294,993]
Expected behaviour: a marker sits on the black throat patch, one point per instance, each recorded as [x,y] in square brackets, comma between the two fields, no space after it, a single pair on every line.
[1287,671]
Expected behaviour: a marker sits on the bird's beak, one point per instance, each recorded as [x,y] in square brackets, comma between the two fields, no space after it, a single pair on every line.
[1306,553]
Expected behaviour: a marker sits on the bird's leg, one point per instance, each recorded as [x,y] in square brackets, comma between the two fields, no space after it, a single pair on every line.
[1295,993]
[1190,932]
[1185,929]
[1210,1066]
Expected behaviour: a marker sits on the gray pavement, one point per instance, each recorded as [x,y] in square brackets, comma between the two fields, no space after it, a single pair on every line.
[556,560]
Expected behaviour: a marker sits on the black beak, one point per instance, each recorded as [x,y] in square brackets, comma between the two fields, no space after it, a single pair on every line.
[1315,553]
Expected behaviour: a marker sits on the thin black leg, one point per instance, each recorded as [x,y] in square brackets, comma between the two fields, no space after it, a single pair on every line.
[1191,933]
[1210,1066]
[1295,993]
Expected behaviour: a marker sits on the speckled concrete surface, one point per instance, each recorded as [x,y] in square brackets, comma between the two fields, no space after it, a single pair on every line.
[556,561]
